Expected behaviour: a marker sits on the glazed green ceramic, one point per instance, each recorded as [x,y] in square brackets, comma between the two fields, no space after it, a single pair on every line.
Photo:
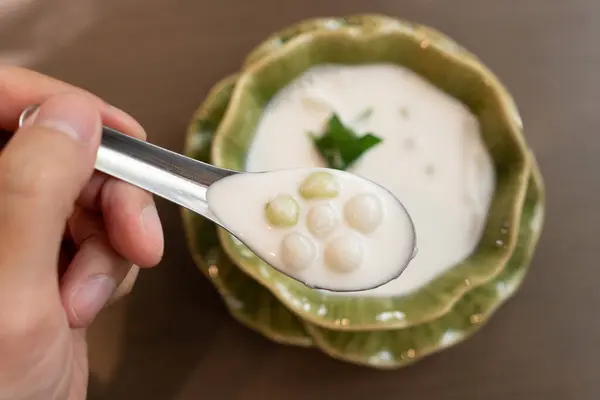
[398,347]
[257,308]
[369,39]
[246,299]
[378,332]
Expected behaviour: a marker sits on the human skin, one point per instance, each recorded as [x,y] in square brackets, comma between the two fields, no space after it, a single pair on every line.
[71,239]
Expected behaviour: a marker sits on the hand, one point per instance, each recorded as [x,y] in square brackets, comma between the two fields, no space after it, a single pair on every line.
[49,197]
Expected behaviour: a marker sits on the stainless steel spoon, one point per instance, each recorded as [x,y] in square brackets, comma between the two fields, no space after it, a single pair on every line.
[175,177]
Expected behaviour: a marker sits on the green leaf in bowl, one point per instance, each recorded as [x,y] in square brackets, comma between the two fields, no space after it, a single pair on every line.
[340,146]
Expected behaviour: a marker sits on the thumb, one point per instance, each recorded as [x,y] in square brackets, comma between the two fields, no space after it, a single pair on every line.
[43,169]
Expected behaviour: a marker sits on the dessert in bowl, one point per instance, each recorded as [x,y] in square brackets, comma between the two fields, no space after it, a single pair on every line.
[451,149]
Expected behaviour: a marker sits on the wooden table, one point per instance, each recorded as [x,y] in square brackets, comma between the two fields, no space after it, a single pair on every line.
[172,338]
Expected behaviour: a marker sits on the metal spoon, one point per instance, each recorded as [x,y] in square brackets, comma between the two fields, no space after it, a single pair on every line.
[178,178]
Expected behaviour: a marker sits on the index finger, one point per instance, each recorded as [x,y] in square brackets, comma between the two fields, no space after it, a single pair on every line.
[20,88]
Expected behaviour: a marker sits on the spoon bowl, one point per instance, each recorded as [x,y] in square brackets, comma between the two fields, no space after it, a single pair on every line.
[329,229]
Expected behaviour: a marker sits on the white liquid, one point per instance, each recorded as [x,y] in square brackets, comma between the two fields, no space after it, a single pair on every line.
[432,157]
[327,252]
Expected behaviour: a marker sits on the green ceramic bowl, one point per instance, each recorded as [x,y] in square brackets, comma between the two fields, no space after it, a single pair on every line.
[369,39]
[257,307]
[382,332]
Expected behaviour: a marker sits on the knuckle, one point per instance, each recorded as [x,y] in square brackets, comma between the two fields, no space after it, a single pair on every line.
[28,180]
[7,72]
[34,178]
[86,227]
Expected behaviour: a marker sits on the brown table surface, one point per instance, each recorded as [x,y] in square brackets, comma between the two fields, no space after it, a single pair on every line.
[173,339]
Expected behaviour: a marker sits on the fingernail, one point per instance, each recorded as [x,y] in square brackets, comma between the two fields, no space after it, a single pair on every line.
[90,297]
[151,220]
[126,119]
[71,114]
[120,114]
[29,115]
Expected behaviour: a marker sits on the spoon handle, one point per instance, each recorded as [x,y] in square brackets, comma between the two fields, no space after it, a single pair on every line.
[167,174]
